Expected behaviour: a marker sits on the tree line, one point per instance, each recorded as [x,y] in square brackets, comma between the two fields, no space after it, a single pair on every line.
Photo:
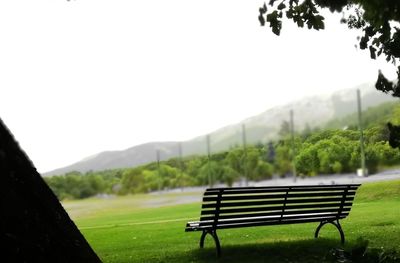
[332,150]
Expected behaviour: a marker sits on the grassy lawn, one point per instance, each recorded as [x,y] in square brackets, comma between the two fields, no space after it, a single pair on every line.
[150,228]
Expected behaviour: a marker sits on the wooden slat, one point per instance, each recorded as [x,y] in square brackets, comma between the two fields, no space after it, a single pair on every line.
[321,216]
[261,222]
[272,202]
[227,197]
[274,213]
[238,190]
[255,191]
[276,222]
[270,208]
[285,187]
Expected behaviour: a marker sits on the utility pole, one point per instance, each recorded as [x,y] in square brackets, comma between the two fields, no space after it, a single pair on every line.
[158,168]
[293,146]
[363,170]
[180,164]
[210,179]
[244,154]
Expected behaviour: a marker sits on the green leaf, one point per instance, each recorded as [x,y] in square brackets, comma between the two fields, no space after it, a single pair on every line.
[276,29]
[289,14]
[376,41]
[261,19]
[319,22]
[281,6]
[364,42]
[265,7]
[300,22]
[372,51]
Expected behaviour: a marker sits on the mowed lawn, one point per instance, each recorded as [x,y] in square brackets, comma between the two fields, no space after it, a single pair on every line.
[150,228]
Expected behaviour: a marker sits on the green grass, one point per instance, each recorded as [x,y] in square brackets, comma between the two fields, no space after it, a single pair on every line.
[126,229]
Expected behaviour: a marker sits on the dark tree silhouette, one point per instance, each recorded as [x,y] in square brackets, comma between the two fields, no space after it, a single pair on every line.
[34,227]
[378,21]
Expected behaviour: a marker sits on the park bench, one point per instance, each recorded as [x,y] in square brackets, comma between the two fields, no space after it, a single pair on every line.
[237,207]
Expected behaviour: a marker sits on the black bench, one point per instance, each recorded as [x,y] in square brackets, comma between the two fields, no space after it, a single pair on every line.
[273,205]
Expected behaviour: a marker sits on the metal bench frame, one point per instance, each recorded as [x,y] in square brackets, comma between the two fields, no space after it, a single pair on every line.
[237,207]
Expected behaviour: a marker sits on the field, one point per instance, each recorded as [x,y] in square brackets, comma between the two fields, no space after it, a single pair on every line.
[150,228]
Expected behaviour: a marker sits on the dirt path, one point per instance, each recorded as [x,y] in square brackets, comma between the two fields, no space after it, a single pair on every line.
[194,194]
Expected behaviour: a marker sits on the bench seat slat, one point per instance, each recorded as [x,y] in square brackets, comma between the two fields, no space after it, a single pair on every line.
[271,202]
[276,222]
[243,190]
[284,187]
[272,208]
[199,227]
[278,212]
[228,197]
[320,216]
[269,191]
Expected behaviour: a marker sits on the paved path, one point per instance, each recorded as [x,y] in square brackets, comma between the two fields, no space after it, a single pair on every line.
[194,194]
[315,180]
[334,179]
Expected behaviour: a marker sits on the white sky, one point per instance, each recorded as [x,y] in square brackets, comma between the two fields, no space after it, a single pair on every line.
[85,76]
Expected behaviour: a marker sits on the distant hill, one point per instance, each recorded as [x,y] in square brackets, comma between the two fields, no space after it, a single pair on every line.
[133,156]
[376,115]
[313,111]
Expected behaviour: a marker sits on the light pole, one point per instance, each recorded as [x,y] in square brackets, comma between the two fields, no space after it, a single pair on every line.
[244,154]
[180,164]
[293,146]
[210,179]
[158,169]
[363,170]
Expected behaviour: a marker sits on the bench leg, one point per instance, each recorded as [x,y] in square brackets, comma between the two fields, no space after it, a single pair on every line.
[336,224]
[213,233]
[203,236]
[217,245]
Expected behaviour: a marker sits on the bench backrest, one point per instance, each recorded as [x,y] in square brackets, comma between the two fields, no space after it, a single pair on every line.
[251,206]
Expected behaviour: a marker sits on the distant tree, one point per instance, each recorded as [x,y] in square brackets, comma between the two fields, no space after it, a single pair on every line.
[183,180]
[284,129]
[168,175]
[307,162]
[152,180]
[263,170]
[219,156]
[337,167]
[211,172]
[307,131]
[132,181]
[234,160]
[270,152]
[372,158]
[387,155]
[193,167]
[229,175]
[283,164]
[251,162]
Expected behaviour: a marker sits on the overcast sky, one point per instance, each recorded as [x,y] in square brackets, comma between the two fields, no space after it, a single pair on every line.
[83,76]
